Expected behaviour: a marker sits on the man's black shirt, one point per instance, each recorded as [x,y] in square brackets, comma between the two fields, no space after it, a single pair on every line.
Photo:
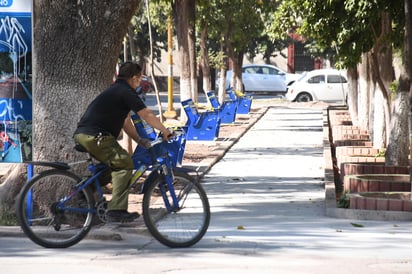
[107,112]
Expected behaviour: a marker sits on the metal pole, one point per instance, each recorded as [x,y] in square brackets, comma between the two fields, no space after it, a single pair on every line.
[29,204]
[170,113]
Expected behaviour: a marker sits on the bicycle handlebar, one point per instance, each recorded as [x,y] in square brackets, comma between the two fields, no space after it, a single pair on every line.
[160,138]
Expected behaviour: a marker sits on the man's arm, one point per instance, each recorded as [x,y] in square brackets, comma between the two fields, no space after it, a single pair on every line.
[152,120]
[130,129]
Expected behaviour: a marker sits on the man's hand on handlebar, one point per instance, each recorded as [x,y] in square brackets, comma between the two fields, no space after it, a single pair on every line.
[144,143]
[168,135]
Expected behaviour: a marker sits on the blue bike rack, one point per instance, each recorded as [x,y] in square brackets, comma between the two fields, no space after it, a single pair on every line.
[143,128]
[244,101]
[202,126]
[175,148]
[227,111]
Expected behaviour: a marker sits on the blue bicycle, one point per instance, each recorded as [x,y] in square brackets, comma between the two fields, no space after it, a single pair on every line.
[57,208]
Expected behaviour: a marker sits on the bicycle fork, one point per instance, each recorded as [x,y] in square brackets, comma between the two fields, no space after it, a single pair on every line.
[172,204]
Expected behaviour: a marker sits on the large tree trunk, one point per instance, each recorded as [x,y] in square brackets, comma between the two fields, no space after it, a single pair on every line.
[223,70]
[182,26]
[75,50]
[382,76]
[406,76]
[364,98]
[399,132]
[401,124]
[204,59]
[237,62]
[192,48]
[72,69]
[353,94]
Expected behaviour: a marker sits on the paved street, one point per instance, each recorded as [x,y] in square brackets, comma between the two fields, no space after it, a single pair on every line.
[268,216]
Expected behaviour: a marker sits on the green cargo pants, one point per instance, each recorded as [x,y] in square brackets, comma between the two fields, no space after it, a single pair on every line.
[107,150]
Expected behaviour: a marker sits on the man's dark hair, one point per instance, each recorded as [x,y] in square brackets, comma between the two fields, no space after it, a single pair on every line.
[129,69]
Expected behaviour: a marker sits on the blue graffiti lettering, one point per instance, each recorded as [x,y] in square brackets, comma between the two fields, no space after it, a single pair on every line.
[14,110]
[6,3]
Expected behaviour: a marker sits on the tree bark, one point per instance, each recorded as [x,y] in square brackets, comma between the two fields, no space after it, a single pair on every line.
[399,132]
[353,94]
[182,25]
[75,51]
[223,70]
[237,62]
[382,76]
[401,126]
[364,98]
[406,75]
[192,48]
[204,59]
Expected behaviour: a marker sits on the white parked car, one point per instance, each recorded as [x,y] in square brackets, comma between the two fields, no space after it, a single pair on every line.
[329,85]
[263,78]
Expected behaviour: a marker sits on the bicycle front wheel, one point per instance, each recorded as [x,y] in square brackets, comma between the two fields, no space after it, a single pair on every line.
[51,213]
[182,227]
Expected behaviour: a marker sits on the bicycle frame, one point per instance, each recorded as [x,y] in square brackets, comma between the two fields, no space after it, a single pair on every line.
[162,167]
[97,170]
[62,216]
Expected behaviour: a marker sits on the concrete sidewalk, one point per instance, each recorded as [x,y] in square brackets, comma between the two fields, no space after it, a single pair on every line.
[267,196]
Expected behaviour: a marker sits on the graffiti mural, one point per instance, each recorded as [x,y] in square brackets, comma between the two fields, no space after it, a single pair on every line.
[15,81]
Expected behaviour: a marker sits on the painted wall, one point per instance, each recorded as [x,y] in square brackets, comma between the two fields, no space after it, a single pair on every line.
[15,80]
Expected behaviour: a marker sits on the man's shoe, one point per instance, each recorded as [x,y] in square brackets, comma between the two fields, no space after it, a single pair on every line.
[121,216]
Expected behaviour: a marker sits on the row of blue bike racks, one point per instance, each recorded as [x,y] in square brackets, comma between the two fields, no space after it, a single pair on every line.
[201,126]
[204,126]
[244,102]
[227,111]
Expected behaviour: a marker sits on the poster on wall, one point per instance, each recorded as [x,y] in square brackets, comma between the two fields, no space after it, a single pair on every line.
[15,81]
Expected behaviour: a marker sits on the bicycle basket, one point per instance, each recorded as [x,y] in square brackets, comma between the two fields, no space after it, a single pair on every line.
[143,156]
[175,150]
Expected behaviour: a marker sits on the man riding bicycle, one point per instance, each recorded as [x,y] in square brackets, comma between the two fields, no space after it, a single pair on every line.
[101,124]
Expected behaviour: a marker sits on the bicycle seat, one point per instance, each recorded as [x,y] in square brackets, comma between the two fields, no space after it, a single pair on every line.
[80,148]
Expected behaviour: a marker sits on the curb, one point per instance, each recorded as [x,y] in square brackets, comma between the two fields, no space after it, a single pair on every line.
[330,195]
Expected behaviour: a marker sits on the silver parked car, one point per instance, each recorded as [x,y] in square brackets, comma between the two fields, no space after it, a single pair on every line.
[263,78]
[329,85]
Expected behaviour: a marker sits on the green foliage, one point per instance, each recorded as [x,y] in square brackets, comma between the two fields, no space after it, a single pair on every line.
[239,24]
[394,88]
[160,10]
[140,26]
[340,30]
[344,200]
[216,59]
[351,27]
[381,153]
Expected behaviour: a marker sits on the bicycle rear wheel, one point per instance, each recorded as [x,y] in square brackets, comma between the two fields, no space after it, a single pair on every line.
[185,226]
[45,218]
